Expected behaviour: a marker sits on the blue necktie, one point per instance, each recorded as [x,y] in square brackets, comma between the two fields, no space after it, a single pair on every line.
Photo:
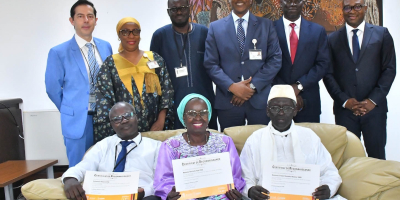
[121,156]
[356,46]
[93,70]
[240,34]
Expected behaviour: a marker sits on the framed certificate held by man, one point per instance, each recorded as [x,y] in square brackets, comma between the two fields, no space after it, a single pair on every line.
[111,185]
[203,176]
[290,181]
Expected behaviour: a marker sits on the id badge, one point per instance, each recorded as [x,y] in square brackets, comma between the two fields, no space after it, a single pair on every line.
[153,64]
[92,98]
[255,54]
[181,71]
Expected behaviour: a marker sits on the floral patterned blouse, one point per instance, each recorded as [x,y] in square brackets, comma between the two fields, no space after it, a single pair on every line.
[110,90]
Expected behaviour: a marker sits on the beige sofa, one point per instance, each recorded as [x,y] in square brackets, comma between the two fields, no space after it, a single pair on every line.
[363,178]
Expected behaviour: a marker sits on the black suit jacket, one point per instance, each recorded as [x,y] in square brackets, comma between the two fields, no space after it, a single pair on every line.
[310,65]
[372,75]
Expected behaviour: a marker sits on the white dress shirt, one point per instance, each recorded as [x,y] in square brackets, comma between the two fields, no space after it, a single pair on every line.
[245,22]
[288,29]
[103,155]
[360,34]
[311,147]
[84,50]
[284,148]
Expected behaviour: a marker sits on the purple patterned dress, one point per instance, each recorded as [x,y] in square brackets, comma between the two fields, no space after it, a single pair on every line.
[176,148]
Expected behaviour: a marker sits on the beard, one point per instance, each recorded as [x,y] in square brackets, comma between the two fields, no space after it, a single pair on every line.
[180,23]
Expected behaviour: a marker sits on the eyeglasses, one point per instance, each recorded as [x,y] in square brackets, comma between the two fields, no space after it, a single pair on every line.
[191,114]
[182,9]
[357,7]
[127,32]
[119,119]
[277,109]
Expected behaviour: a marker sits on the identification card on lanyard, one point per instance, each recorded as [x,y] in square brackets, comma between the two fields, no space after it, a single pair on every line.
[152,64]
[92,98]
[181,71]
[255,54]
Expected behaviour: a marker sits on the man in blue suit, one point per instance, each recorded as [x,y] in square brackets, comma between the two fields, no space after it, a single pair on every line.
[305,59]
[362,71]
[242,58]
[71,70]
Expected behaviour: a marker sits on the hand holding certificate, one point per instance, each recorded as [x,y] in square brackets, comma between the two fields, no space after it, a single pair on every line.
[111,185]
[203,176]
[292,181]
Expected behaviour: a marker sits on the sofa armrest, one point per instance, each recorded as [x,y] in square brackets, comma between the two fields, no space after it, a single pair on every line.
[370,178]
[44,189]
[354,148]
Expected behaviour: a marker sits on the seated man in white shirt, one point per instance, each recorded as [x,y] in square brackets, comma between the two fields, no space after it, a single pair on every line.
[283,141]
[140,154]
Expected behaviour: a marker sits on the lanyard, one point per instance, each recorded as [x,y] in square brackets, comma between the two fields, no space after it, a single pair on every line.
[90,72]
[184,43]
[115,159]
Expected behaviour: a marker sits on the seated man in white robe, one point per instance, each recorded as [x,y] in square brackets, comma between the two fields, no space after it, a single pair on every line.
[125,151]
[283,141]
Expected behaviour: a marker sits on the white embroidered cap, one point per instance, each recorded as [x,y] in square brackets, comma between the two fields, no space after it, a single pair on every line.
[282,91]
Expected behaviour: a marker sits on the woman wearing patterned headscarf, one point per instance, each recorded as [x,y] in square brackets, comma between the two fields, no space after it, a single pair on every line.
[137,77]
[194,112]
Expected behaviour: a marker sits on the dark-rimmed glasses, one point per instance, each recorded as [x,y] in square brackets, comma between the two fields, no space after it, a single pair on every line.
[191,114]
[357,7]
[120,118]
[127,32]
[182,9]
[277,109]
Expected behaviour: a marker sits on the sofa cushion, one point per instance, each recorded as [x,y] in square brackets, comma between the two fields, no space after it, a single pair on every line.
[332,136]
[164,135]
[44,189]
[370,178]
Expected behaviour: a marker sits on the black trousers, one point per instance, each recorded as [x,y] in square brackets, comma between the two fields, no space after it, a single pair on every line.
[306,118]
[372,126]
[237,115]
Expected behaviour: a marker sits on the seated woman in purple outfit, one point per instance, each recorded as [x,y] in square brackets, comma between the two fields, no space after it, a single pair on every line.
[194,111]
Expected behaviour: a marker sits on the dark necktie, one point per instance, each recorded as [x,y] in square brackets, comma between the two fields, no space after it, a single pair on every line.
[356,46]
[240,34]
[294,40]
[93,70]
[121,156]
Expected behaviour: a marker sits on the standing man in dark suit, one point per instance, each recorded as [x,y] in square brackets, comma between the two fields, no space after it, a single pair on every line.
[242,58]
[305,59]
[362,72]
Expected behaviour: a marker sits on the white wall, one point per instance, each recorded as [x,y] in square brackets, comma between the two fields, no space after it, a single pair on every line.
[31,28]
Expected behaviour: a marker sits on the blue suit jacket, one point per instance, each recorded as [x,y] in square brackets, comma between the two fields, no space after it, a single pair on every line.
[310,64]
[370,77]
[67,84]
[225,65]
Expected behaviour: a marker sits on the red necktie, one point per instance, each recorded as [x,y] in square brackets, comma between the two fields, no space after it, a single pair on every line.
[294,40]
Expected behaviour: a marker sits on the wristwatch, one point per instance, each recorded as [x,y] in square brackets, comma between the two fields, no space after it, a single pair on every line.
[252,86]
[299,86]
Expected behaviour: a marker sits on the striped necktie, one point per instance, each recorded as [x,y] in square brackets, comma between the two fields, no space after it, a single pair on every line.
[93,70]
[240,34]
